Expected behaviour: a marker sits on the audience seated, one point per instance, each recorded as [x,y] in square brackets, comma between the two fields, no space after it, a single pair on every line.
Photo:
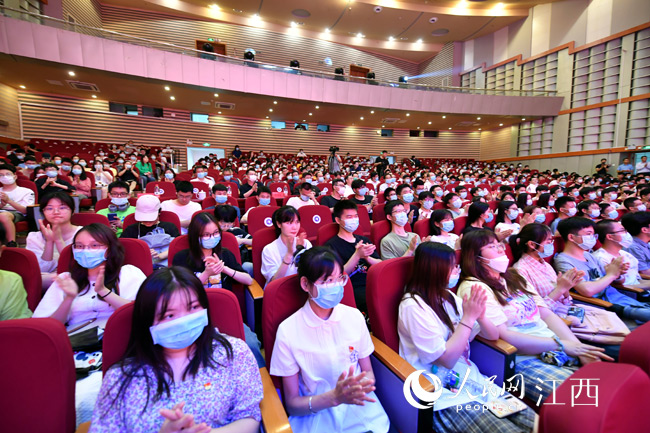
[441,225]
[306,196]
[226,217]
[119,207]
[398,242]
[637,224]
[13,296]
[14,200]
[264,199]
[613,238]
[183,206]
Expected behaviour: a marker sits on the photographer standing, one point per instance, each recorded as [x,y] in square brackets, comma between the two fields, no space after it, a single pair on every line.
[381,163]
[334,161]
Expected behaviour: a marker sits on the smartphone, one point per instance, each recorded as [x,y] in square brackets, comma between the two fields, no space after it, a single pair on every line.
[112,217]
[578,312]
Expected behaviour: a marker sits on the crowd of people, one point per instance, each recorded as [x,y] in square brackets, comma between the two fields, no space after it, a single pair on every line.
[506,252]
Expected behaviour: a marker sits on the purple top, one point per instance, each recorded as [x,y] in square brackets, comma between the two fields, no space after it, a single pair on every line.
[217,396]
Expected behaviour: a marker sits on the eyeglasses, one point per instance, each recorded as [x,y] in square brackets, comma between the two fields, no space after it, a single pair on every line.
[341,279]
[207,236]
[53,208]
[119,194]
[95,246]
[497,247]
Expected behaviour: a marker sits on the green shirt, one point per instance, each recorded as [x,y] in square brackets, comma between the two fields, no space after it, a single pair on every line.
[120,214]
[13,297]
[143,168]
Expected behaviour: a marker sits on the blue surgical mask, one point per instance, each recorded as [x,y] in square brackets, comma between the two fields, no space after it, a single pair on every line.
[119,201]
[296,178]
[401,219]
[513,214]
[588,242]
[453,281]
[448,225]
[304,197]
[594,213]
[31,166]
[89,259]
[201,175]
[76,171]
[463,195]
[408,198]
[209,244]
[51,173]
[227,178]
[439,193]
[427,204]
[169,175]
[551,203]
[180,333]
[549,249]
[489,218]
[351,225]
[221,199]
[540,218]
[329,296]
[363,191]
[392,197]
[481,193]
[265,201]
[57,161]
[613,215]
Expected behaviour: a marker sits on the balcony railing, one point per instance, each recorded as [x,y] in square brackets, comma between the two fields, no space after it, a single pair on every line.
[165,46]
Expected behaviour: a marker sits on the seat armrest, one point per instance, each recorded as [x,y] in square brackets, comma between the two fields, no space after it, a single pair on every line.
[398,365]
[83,427]
[592,301]
[274,417]
[253,297]
[634,288]
[494,358]
[255,290]
[498,345]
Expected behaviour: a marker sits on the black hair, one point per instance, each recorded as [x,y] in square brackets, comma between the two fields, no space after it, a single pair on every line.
[542,200]
[635,221]
[219,187]
[261,189]
[502,208]
[9,167]
[562,201]
[198,223]
[583,206]
[3,235]
[60,195]
[82,175]
[118,184]
[342,205]
[437,216]
[225,213]
[184,186]
[571,226]
[534,232]
[603,228]
[424,195]
[390,205]
[318,262]
[401,188]
[285,214]
[475,211]
[305,186]
[358,183]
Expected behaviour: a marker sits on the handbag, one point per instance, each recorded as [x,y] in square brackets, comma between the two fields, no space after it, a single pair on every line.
[601,326]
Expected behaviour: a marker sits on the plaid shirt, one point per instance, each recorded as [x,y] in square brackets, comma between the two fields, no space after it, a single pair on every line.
[543,278]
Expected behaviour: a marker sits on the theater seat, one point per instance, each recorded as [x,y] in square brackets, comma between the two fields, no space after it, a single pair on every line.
[635,348]
[623,392]
[24,263]
[260,217]
[85,218]
[136,253]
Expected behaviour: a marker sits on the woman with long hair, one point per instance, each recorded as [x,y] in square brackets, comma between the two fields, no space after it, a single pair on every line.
[441,225]
[435,328]
[546,346]
[507,214]
[178,372]
[80,181]
[478,215]
[98,282]
[322,352]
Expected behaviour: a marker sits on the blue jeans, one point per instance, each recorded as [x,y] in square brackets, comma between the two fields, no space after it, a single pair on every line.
[254,345]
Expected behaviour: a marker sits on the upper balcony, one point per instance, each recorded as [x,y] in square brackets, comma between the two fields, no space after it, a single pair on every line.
[47,39]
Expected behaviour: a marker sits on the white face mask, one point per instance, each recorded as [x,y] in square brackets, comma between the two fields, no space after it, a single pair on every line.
[499,264]
[7,180]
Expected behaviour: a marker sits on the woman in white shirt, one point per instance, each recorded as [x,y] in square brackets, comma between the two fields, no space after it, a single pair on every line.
[56,232]
[98,282]
[277,257]
[103,177]
[322,352]
[441,225]
[435,328]
[507,214]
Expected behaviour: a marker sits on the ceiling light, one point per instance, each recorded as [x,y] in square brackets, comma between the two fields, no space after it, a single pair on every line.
[408,114]
[173,98]
[450,128]
[256,19]
[360,35]
[275,102]
[418,127]
[383,126]
[293,24]
[311,114]
[419,41]
[94,96]
[429,123]
[500,124]
[219,112]
[444,117]
[391,39]
[317,107]
[267,117]
[304,120]
[270,110]
[523,119]
[478,118]
[326,31]
[479,129]
[22,86]
[167,88]
[215,6]
[71,73]
[372,111]
[361,117]
[216,95]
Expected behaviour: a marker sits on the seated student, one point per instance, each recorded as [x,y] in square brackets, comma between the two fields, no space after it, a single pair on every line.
[30,166]
[398,242]
[609,195]
[418,187]
[427,200]
[634,204]
[278,256]
[524,200]
[80,181]
[613,237]
[454,204]
[461,191]
[532,214]
[437,192]
[389,181]
[478,215]
[129,174]
[306,197]
[361,197]
[14,200]
[201,173]
[507,214]
[173,349]
[579,238]
[357,252]
[441,225]
[638,225]
[56,232]
[263,199]
[51,183]
[390,194]
[169,177]
[98,281]
[103,176]
[529,248]
[119,207]
[66,167]
[338,188]
[220,194]
[546,346]
[228,177]
[567,208]
[183,206]
[435,328]
[13,297]
[226,216]
[405,195]
[148,227]
[589,209]
[322,353]
[251,186]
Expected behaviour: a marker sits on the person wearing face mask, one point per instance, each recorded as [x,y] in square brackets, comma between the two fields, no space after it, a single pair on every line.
[228,176]
[389,182]
[201,173]
[119,207]
[566,206]
[103,177]
[129,174]
[361,196]
[51,182]
[14,200]
[462,193]
[306,197]
[426,200]
[148,227]
[521,316]
[173,340]
[30,166]
[357,252]
[579,238]
[441,225]
[405,195]
[374,180]
[146,170]
[251,186]
[399,242]
[326,346]
[98,281]
[263,198]
[183,206]
[478,215]
[634,204]
[66,167]
[337,194]
[454,204]
[220,195]
[226,216]
[435,328]
[637,224]
[80,181]
[613,237]
[589,209]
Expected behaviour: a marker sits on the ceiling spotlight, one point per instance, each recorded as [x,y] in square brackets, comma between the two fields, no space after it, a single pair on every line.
[500,124]
[293,24]
[444,117]
[270,110]
[326,31]
[267,117]
[429,123]
[383,126]
[361,117]
[311,114]
[479,129]
[304,120]
[173,98]
[215,6]
[317,107]
[216,95]
[391,39]
[94,96]
[167,88]
[372,111]
[360,35]
[450,128]
[478,118]
[71,73]
[275,102]
[408,114]
[22,86]
[219,112]
[419,41]
[523,119]
[418,127]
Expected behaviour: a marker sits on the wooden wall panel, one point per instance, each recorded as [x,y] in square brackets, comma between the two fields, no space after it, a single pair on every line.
[86,12]
[9,112]
[270,46]
[495,144]
[441,67]
[47,116]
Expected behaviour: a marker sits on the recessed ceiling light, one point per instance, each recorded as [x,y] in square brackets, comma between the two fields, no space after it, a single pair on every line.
[478,118]
[22,86]
[444,117]
[361,117]
[94,96]
[372,111]
[71,73]
[450,128]
[267,117]
[360,35]
[215,6]
[429,123]
[383,126]
[408,114]
[293,24]
[219,112]
[173,98]
[479,129]
[523,119]
[167,88]
[500,124]
[391,39]
[317,107]
[419,41]
[311,114]
[216,95]
[418,127]
[275,102]
[326,31]
[270,110]
[304,120]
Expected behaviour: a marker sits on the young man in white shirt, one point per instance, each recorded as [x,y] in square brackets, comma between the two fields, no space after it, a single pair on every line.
[14,200]
[183,206]
[306,197]
[263,199]
[613,238]
[643,166]
[201,173]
